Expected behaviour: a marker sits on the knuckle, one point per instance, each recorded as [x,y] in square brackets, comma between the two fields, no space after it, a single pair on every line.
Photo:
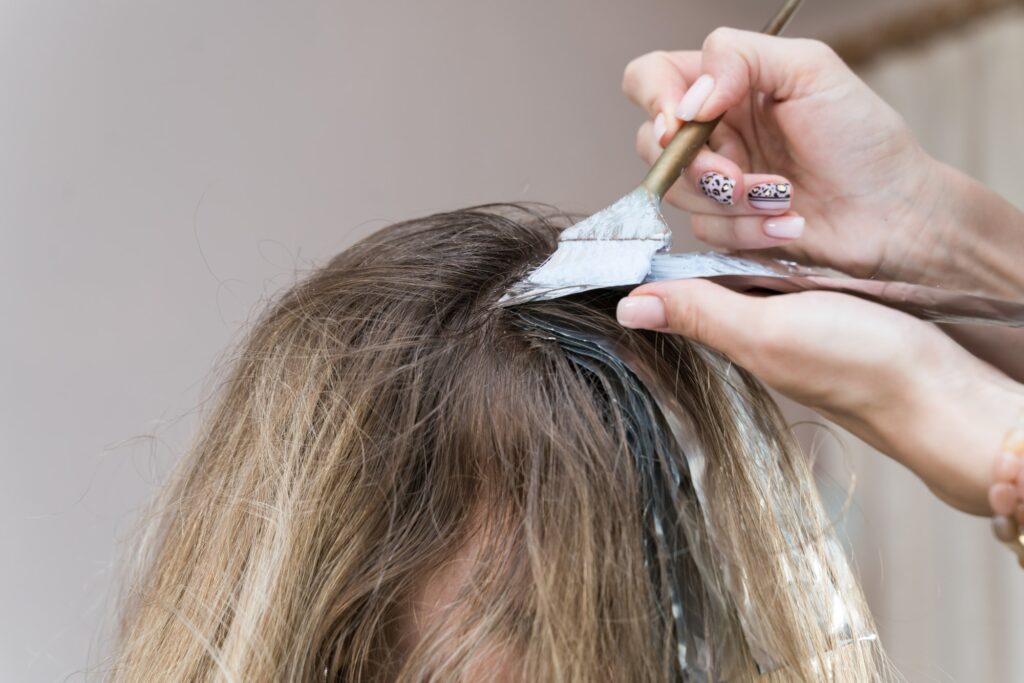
[733,232]
[818,51]
[687,319]
[641,146]
[629,76]
[823,48]
[633,74]
[719,39]
[699,228]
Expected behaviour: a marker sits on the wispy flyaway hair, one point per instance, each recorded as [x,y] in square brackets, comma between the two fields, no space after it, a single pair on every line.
[401,480]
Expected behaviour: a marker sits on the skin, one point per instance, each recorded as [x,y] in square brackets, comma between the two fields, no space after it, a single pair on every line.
[875,205]
[435,602]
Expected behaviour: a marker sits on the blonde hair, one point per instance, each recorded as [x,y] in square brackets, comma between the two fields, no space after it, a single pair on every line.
[383,418]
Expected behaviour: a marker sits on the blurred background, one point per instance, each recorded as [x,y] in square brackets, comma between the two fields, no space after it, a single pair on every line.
[167,167]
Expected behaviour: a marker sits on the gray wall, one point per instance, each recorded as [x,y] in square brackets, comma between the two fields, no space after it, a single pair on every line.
[166,166]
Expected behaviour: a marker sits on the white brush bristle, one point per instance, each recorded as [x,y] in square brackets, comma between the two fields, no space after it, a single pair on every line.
[634,217]
[596,263]
[611,248]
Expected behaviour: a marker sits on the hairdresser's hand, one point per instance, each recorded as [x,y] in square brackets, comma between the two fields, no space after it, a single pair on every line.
[797,117]
[896,382]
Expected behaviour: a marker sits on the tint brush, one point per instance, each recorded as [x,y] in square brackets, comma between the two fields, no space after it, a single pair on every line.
[615,246]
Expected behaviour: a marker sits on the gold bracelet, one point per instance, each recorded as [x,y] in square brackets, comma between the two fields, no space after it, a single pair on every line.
[1006,496]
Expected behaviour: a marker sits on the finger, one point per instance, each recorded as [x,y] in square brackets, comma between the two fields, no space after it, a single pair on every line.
[687,189]
[723,194]
[735,62]
[747,232]
[698,309]
[714,183]
[655,82]
[731,195]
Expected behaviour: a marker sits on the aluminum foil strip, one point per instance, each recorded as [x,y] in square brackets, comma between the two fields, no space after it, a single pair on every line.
[670,459]
[771,275]
[661,481]
[779,277]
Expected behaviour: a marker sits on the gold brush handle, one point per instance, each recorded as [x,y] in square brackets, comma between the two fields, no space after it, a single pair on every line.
[692,136]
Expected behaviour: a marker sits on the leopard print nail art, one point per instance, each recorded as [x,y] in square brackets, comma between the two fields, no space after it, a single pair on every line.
[717,187]
[770,196]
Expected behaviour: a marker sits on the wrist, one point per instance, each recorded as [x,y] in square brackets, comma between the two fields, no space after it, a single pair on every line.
[953,429]
[990,244]
[958,234]
[942,414]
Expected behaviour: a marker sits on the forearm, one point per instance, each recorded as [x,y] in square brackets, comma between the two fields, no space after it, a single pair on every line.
[1002,347]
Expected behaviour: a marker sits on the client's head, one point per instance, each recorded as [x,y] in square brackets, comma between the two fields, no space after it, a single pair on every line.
[401,480]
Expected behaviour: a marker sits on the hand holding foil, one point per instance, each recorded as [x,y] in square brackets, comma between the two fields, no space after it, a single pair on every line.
[896,381]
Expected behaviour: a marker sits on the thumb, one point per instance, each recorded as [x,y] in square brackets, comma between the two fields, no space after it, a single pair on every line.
[736,62]
[698,309]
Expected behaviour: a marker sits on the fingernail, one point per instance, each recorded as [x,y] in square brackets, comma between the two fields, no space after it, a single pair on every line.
[784,227]
[1007,467]
[770,196]
[659,127]
[718,187]
[643,312]
[1003,498]
[695,98]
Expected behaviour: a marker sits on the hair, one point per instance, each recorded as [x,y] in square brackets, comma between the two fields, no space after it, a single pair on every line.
[402,481]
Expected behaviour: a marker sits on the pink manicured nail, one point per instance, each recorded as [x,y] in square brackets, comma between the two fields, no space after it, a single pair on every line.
[642,312]
[659,127]
[770,196]
[784,227]
[717,187]
[695,98]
